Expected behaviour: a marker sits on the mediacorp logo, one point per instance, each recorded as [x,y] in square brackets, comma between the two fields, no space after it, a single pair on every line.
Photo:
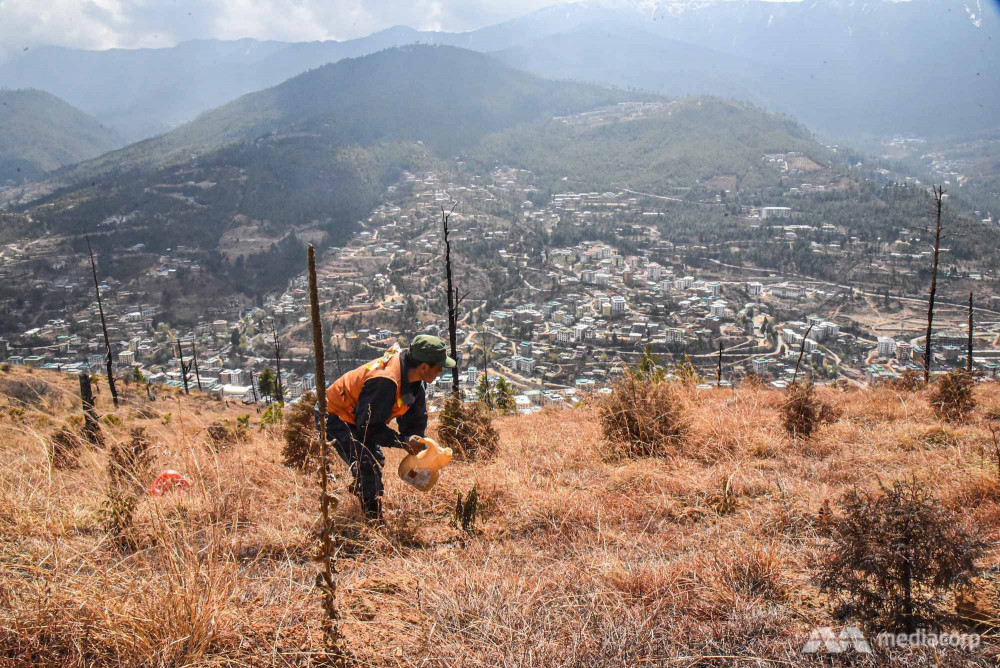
[826,640]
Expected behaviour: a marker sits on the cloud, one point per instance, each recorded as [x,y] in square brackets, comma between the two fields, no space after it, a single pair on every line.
[103,24]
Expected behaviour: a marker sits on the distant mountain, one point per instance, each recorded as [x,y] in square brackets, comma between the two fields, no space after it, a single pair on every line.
[621,54]
[445,97]
[923,66]
[312,155]
[841,67]
[40,133]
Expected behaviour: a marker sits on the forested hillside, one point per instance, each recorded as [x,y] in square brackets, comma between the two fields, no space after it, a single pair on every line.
[39,133]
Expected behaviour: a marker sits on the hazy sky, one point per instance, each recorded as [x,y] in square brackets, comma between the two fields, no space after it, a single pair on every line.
[102,24]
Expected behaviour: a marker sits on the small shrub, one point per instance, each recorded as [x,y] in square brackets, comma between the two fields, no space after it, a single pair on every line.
[167,417]
[272,417]
[25,393]
[802,412]
[909,381]
[225,434]
[467,430]
[467,510]
[687,373]
[642,418]
[753,572]
[218,432]
[301,437]
[894,555]
[111,420]
[5,367]
[953,396]
[15,413]
[64,448]
[129,466]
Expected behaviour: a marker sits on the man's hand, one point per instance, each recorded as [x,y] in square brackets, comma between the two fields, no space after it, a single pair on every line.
[414,444]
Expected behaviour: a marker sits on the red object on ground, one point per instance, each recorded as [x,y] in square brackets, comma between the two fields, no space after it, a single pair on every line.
[167,481]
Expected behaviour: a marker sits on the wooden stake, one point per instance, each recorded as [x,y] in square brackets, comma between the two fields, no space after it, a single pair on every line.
[91,427]
[327,502]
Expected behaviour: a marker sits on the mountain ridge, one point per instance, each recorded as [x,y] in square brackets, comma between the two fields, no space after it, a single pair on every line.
[816,63]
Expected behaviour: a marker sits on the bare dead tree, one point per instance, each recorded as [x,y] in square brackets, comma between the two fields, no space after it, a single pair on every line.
[938,199]
[328,502]
[486,371]
[968,363]
[452,300]
[718,371]
[184,367]
[104,325]
[197,374]
[802,349]
[277,360]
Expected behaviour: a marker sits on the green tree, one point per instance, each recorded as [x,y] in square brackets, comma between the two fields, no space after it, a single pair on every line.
[266,383]
[137,376]
[485,393]
[505,397]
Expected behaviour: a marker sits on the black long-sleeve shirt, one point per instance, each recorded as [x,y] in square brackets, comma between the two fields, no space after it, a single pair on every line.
[375,402]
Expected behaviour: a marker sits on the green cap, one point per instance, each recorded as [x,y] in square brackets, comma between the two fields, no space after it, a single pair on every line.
[430,349]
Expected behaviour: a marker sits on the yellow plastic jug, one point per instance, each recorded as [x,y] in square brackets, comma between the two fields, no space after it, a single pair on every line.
[423,469]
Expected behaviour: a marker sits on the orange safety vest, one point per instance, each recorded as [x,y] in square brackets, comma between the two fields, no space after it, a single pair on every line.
[342,395]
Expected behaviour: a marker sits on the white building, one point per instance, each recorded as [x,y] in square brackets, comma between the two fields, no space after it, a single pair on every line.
[775,212]
[755,289]
[886,346]
[761,365]
[674,335]
[717,309]
[523,364]
[617,304]
[903,350]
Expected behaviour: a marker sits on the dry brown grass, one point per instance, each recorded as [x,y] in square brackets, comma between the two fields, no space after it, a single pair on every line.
[575,559]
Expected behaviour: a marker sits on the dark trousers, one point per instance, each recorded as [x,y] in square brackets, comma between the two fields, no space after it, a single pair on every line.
[365,460]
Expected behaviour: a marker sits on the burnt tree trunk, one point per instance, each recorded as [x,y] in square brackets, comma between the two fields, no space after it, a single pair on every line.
[197,374]
[104,326]
[938,198]
[452,303]
[802,349]
[718,370]
[277,361]
[969,360]
[91,427]
[184,368]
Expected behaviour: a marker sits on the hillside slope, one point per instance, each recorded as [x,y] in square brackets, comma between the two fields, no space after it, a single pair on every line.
[40,133]
[576,559]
